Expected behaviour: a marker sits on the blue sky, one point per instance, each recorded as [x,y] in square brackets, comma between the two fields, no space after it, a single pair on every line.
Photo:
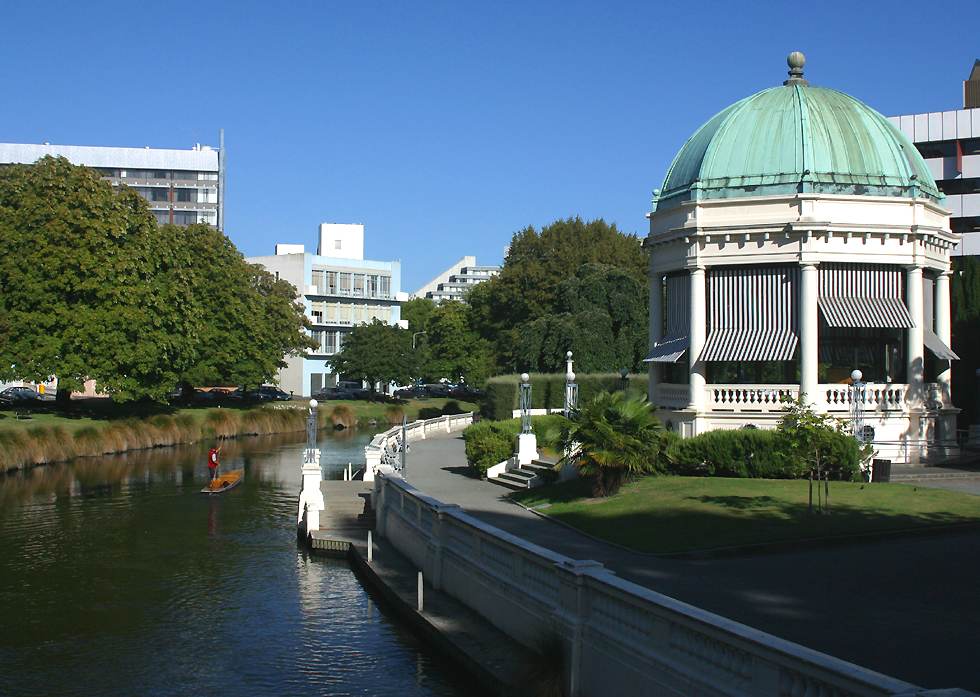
[446,126]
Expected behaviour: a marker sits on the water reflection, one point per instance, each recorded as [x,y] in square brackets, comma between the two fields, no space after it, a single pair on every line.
[120,578]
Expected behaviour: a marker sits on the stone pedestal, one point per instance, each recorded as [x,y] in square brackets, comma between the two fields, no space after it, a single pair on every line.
[311,496]
[527,448]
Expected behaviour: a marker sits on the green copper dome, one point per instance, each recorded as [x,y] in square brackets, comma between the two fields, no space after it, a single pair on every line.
[796,138]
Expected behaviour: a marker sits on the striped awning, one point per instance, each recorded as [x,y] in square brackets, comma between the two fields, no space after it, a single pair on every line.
[727,344]
[668,350]
[865,312]
[863,296]
[675,340]
[938,346]
[751,314]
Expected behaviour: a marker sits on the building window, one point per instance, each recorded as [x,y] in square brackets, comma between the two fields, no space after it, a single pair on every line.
[318,280]
[331,281]
[359,285]
[185,217]
[159,194]
[187,195]
[384,286]
[336,244]
[345,284]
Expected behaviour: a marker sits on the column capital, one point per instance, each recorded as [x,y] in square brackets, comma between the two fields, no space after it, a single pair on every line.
[809,263]
[915,266]
[696,268]
[944,274]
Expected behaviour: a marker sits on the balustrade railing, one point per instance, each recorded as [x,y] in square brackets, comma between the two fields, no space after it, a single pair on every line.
[672,396]
[750,398]
[385,448]
[889,397]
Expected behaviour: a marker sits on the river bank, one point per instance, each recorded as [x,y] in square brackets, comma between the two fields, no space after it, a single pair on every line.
[93,431]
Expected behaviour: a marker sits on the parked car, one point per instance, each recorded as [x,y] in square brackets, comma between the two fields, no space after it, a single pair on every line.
[19,396]
[418,392]
[437,389]
[334,393]
[466,393]
[269,393]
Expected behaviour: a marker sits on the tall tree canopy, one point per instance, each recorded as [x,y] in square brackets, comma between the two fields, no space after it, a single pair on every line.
[965,307]
[574,285]
[376,352]
[91,288]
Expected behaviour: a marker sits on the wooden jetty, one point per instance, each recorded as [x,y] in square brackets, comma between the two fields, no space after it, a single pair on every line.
[347,518]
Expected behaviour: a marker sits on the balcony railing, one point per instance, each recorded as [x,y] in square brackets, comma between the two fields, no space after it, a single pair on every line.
[670,396]
[749,398]
[890,397]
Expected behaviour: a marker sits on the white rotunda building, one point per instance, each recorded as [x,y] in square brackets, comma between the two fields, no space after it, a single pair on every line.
[799,236]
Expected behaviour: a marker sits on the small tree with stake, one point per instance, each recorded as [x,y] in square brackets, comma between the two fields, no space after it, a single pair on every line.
[815,440]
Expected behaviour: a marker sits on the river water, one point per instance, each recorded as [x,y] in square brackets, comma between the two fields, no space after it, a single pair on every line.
[117,577]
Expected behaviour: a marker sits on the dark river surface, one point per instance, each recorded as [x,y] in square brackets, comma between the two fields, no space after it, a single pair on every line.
[118,578]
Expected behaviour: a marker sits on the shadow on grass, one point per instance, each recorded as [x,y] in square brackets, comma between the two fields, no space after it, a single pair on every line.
[673,520]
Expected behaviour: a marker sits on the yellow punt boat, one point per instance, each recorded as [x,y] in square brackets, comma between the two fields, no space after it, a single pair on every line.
[225,481]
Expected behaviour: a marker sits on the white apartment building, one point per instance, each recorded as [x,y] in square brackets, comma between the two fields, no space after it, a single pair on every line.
[339,289]
[454,282]
[181,186]
[949,141]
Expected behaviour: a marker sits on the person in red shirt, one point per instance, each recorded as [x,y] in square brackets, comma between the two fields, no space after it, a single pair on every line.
[213,461]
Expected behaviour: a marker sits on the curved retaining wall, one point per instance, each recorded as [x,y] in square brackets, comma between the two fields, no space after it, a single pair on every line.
[619,638]
[388,442]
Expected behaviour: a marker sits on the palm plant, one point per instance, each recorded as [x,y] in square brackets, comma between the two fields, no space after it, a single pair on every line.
[611,437]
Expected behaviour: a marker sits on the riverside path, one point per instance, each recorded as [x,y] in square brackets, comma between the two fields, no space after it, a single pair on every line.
[906,607]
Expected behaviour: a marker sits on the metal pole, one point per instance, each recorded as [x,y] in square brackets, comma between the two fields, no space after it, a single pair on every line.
[420,604]
[404,448]
[370,548]
[525,403]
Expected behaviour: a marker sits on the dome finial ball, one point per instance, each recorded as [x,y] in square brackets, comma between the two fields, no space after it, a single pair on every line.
[796,60]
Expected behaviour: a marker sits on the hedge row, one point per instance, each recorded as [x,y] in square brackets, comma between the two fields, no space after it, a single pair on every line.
[491,442]
[759,454]
[548,391]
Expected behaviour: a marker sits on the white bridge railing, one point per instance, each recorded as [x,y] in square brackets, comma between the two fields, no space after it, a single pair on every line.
[385,446]
[618,636]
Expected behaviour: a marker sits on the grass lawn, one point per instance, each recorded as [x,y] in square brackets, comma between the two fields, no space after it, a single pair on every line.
[99,412]
[678,514]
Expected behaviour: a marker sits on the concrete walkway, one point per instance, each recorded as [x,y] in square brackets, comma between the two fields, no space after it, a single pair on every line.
[907,607]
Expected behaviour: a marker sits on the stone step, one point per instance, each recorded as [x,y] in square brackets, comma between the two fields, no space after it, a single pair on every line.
[539,466]
[508,481]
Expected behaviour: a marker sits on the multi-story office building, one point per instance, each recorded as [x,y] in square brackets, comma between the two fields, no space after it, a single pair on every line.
[181,186]
[949,141]
[339,289]
[454,282]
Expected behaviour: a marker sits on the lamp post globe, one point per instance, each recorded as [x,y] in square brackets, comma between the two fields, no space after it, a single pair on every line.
[856,375]
[525,377]
[313,404]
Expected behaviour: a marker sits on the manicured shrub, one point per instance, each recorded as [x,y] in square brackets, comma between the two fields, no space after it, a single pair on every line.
[548,391]
[487,443]
[761,454]
[742,453]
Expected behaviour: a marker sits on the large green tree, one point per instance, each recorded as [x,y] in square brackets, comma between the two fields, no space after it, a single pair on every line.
[376,352]
[92,288]
[454,350]
[574,285]
[245,320]
[75,257]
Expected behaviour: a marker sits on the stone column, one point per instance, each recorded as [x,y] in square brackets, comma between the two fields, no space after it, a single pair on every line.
[698,334]
[808,333]
[914,349]
[656,331]
[942,316]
